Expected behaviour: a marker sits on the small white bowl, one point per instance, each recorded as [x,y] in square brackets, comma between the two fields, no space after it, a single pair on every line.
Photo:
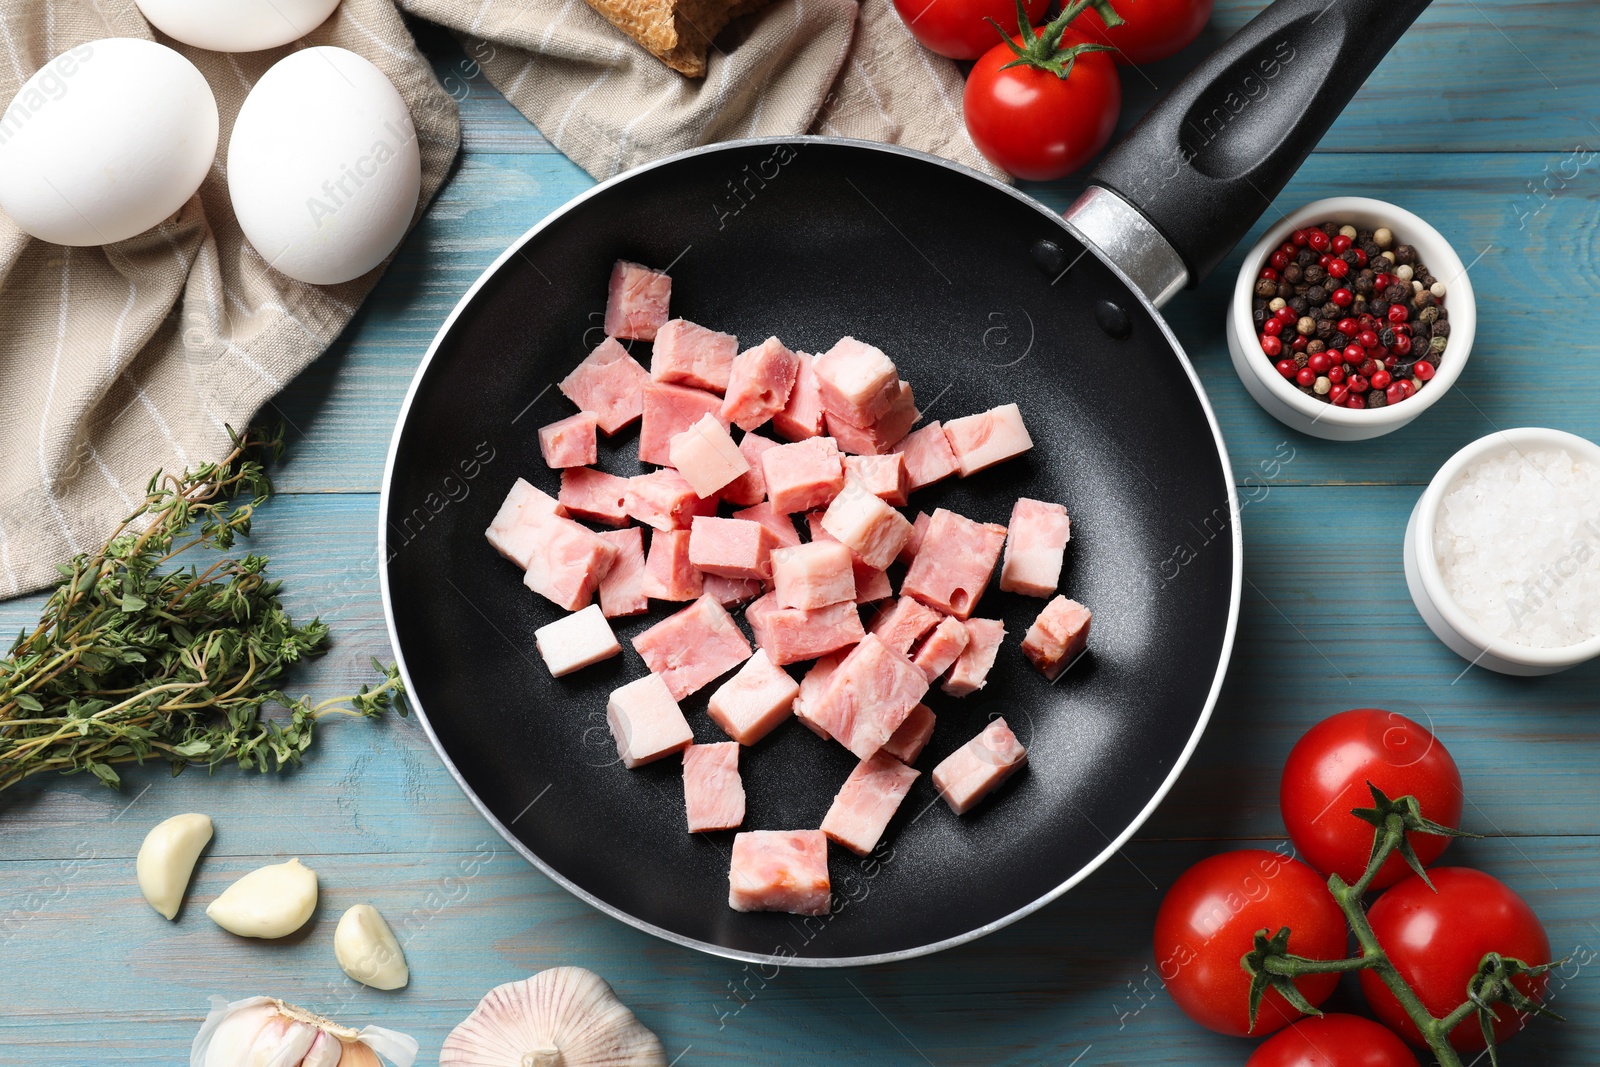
[1281,399]
[1448,621]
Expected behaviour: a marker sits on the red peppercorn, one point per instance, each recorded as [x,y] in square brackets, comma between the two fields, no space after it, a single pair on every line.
[1299,238]
[1336,373]
[1354,353]
[1402,328]
[1319,362]
[1323,260]
[1268,274]
[1287,316]
[1271,345]
[1367,339]
[1337,394]
[1354,403]
[1300,343]
[1348,327]
[1342,297]
[1287,368]
[1307,376]
[1272,327]
[1381,379]
[1401,346]
[1280,259]
[1390,362]
[1341,244]
[1382,281]
[1369,367]
[1423,370]
[1398,314]
[1399,391]
[1288,247]
[1361,258]
[1318,240]
[1358,383]
[1338,268]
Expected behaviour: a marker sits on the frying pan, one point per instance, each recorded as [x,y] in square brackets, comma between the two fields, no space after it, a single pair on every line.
[983,297]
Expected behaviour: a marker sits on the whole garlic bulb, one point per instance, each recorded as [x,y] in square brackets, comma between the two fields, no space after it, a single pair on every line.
[266,1032]
[271,901]
[563,1017]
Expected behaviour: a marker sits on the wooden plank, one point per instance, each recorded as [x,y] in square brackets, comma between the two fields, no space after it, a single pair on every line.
[1073,980]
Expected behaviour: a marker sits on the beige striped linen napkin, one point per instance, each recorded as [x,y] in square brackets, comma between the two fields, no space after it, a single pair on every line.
[796,66]
[118,360]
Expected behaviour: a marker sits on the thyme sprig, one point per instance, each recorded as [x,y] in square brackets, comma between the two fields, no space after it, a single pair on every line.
[137,656]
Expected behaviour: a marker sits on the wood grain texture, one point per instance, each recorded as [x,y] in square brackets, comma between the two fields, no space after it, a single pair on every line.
[1454,125]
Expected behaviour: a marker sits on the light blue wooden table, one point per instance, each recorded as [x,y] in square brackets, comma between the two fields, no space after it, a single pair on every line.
[1472,122]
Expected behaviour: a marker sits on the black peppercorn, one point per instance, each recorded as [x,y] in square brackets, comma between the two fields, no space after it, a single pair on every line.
[1317,294]
[1351,258]
[1302,358]
[1285,290]
[1441,328]
[1325,332]
[1363,239]
[1397,292]
[1259,317]
[1305,256]
[1330,228]
[1423,299]
[1314,274]
[1293,274]
[1405,254]
[1370,247]
[1331,311]
[1316,346]
[1266,288]
[1376,399]
[1298,304]
[1387,337]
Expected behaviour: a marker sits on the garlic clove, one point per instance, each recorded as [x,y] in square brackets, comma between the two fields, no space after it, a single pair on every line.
[563,1017]
[269,902]
[167,858]
[326,1051]
[367,950]
[264,1032]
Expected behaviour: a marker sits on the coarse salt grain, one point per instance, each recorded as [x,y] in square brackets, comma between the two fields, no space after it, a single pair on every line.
[1518,544]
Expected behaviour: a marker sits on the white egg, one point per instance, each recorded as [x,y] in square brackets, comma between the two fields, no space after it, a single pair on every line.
[236,25]
[104,141]
[323,167]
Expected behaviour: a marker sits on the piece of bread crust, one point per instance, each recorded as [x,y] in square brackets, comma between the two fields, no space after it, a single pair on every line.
[677,32]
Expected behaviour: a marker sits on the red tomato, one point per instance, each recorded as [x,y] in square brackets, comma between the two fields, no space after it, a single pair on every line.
[1333,1041]
[1208,921]
[1326,776]
[1034,125]
[1436,941]
[956,28]
[1151,29]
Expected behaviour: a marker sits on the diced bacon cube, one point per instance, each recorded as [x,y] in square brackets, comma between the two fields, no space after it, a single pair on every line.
[733,548]
[971,670]
[907,743]
[646,722]
[668,574]
[869,696]
[902,625]
[813,575]
[570,442]
[730,591]
[713,794]
[636,301]
[872,529]
[954,563]
[856,381]
[622,588]
[689,354]
[752,703]
[759,384]
[867,801]
[1057,637]
[801,417]
[942,648]
[668,411]
[928,455]
[693,647]
[608,384]
[514,531]
[567,563]
[782,526]
[662,499]
[871,584]
[987,438]
[595,495]
[803,475]
[919,530]
[972,771]
[1036,543]
[882,476]
[750,488]
[883,433]
[780,870]
[812,685]
[576,641]
[707,457]
[793,634]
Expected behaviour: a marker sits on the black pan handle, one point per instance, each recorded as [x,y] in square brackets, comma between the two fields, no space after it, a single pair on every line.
[1210,157]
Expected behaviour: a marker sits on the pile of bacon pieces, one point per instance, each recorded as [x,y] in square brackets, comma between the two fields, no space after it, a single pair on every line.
[845,457]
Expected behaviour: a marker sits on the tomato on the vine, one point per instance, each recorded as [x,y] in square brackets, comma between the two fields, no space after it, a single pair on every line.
[1436,941]
[1208,922]
[1326,776]
[1033,123]
[958,28]
[1151,29]
[1333,1041]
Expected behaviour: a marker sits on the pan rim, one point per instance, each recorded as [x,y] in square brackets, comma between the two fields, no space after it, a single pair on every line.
[1097,861]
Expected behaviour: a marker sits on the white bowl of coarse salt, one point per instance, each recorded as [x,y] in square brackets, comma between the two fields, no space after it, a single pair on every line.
[1502,552]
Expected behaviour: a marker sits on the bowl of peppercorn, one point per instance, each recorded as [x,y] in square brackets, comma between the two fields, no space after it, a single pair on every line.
[1350,318]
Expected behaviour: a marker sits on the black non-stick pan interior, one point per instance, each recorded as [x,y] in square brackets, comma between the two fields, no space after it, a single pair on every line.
[982,298]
